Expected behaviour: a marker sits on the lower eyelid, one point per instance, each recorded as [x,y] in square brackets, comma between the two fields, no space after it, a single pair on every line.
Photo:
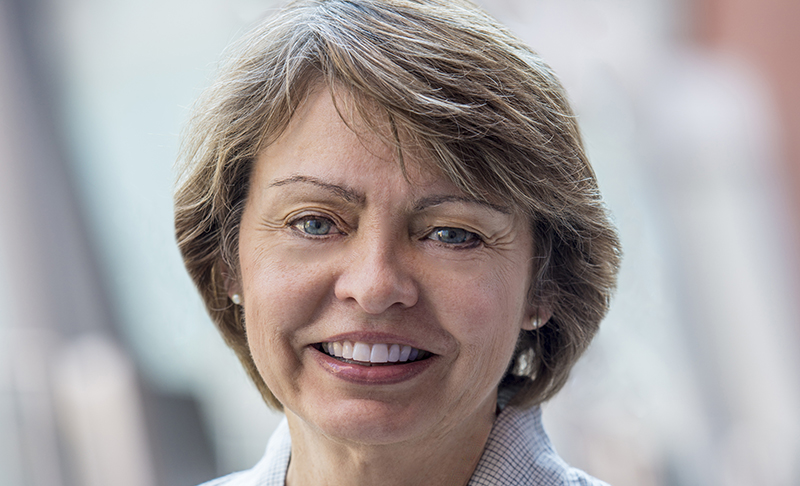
[466,246]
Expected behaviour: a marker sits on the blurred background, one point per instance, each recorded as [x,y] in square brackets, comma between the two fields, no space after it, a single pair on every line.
[111,374]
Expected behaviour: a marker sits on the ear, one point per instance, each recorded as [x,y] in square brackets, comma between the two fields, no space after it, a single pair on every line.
[232,284]
[537,318]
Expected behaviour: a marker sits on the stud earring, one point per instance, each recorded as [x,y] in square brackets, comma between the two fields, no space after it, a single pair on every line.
[535,323]
[236,298]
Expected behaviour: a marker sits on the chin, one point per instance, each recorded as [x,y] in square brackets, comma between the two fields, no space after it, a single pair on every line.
[370,421]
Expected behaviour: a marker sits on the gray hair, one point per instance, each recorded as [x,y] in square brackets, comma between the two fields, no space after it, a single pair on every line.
[483,107]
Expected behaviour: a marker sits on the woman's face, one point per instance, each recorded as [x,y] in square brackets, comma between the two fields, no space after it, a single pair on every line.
[341,254]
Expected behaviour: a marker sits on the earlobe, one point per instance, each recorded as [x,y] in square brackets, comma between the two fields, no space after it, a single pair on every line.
[538,319]
[232,286]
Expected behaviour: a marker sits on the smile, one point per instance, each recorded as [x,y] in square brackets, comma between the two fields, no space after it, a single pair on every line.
[372,354]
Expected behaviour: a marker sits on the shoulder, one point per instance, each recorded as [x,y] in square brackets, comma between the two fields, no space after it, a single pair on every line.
[519,452]
[270,470]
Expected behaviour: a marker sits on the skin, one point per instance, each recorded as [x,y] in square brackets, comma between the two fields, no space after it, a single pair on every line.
[334,242]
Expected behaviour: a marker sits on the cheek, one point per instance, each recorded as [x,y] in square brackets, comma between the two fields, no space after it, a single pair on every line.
[280,284]
[282,293]
[484,313]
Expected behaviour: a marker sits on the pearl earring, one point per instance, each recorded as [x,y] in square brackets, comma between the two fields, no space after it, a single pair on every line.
[535,323]
[236,298]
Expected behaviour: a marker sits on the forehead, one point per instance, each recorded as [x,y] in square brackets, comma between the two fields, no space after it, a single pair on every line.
[332,133]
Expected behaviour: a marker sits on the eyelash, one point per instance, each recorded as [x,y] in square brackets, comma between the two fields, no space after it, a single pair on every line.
[472,239]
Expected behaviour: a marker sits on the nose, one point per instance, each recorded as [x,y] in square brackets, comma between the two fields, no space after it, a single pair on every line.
[377,277]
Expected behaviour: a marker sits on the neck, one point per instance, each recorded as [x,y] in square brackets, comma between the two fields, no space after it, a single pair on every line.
[445,458]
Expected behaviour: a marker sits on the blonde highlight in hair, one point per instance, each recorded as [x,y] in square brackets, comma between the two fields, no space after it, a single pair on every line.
[454,85]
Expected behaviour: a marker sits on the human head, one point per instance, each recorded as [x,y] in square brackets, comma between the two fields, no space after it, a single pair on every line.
[455,86]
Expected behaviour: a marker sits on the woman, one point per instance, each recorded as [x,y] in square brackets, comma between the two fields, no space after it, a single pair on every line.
[389,214]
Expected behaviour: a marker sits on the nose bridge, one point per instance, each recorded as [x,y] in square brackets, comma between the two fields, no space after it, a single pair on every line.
[379,273]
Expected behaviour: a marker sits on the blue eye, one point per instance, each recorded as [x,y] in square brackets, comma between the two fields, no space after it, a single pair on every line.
[453,236]
[316,226]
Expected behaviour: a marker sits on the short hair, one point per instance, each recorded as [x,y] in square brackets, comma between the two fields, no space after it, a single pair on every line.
[483,107]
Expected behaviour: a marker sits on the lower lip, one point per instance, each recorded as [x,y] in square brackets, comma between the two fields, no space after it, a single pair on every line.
[371,375]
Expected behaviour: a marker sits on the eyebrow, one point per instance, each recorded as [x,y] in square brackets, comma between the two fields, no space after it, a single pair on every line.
[353,196]
[427,202]
[343,192]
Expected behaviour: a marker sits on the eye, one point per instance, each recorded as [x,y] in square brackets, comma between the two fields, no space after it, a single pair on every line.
[315,226]
[454,236]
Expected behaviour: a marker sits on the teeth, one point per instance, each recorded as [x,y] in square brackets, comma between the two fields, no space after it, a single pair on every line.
[361,352]
[404,352]
[379,354]
[373,353]
[347,350]
[394,354]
